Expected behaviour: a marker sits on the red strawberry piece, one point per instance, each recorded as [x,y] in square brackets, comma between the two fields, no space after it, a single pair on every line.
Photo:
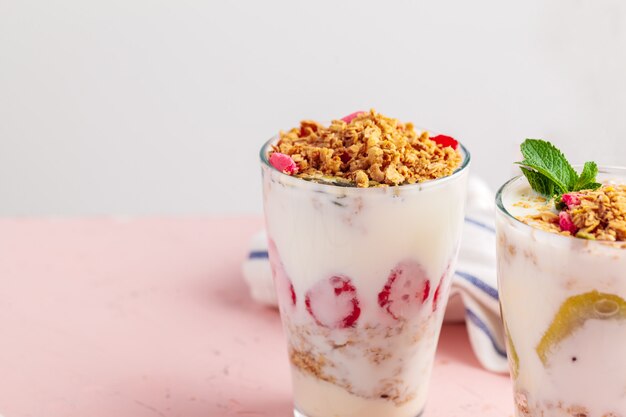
[283,163]
[352,116]
[438,289]
[406,290]
[333,302]
[284,287]
[566,223]
[444,141]
[570,200]
[436,295]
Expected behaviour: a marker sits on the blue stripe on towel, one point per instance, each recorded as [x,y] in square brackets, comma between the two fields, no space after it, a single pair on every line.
[482,326]
[260,254]
[492,292]
[480,224]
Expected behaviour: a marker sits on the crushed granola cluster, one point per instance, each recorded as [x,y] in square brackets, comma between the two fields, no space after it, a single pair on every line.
[590,214]
[392,387]
[369,150]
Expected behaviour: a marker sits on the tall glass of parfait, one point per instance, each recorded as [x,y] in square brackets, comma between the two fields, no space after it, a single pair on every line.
[362,276]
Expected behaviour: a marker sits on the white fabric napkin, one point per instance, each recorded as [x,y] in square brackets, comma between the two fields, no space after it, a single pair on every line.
[474,294]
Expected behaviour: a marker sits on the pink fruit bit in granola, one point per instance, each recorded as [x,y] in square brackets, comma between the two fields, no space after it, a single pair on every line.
[333,302]
[444,141]
[566,224]
[570,200]
[598,214]
[283,163]
[407,288]
[352,116]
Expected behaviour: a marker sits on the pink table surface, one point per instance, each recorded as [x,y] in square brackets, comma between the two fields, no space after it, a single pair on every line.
[150,317]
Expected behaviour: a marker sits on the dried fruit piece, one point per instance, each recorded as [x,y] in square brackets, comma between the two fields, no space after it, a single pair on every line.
[444,141]
[352,116]
[283,163]
[566,224]
[405,291]
[570,200]
[284,286]
[585,235]
[574,312]
[333,303]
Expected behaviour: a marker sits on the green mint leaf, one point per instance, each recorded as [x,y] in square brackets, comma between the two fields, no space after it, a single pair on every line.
[589,186]
[547,160]
[539,182]
[587,177]
[549,173]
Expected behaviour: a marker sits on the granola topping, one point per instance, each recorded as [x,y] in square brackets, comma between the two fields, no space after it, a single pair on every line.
[367,149]
[595,215]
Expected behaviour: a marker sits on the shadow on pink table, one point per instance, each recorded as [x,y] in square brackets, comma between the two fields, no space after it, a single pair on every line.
[150,317]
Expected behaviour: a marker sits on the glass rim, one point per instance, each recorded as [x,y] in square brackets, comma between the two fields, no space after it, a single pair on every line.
[463,167]
[604,169]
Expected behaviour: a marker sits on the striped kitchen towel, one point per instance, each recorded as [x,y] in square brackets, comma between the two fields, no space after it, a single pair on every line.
[474,294]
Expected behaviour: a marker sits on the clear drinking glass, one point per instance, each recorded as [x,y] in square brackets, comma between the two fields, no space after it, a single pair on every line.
[362,276]
[564,310]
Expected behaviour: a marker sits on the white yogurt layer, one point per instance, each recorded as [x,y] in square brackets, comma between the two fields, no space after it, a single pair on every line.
[583,372]
[380,363]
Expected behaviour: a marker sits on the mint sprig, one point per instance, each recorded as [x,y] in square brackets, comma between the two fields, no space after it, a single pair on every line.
[587,179]
[538,182]
[549,173]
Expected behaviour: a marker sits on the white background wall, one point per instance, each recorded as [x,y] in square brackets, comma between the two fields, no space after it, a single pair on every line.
[159,107]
